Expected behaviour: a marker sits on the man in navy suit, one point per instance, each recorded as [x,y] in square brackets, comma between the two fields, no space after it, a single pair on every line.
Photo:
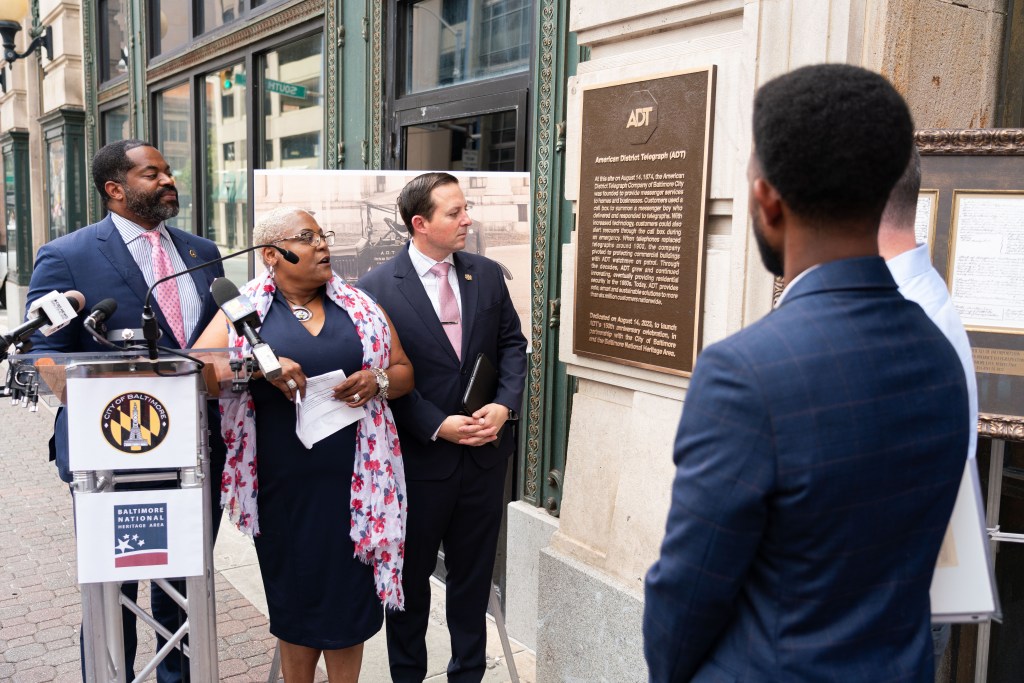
[451,306]
[820,449]
[115,258]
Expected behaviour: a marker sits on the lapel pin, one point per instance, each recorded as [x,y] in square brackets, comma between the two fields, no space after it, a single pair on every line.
[468,276]
[192,253]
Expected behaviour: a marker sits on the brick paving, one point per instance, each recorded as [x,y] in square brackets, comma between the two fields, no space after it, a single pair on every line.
[40,606]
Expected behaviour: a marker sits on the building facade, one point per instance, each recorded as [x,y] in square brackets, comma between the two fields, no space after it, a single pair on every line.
[228,86]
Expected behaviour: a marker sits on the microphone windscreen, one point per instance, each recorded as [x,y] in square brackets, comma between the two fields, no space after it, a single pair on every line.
[75,298]
[105,307]
[289,256]
[223,290]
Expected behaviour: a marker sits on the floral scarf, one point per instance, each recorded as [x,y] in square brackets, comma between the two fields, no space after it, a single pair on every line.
[378,477]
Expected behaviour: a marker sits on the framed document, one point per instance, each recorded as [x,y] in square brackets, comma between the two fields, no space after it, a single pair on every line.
[987,260]
[924,221]
[976,184]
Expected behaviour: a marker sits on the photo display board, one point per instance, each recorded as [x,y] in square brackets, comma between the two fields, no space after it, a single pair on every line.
[975,181]
[642,206]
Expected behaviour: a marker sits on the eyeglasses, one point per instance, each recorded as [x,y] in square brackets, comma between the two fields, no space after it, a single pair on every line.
[311,238]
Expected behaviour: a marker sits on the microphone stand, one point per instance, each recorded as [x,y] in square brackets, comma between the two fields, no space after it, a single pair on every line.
[150,325]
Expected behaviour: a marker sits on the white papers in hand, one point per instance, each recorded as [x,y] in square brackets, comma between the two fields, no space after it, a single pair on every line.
[319,414]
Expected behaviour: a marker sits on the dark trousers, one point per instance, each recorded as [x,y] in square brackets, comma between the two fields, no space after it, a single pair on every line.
[464,512]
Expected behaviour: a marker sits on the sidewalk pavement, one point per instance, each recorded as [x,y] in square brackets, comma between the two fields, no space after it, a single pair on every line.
[40,607]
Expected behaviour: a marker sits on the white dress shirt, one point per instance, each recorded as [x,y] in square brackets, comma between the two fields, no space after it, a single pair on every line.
[142,252]
[423,263]
[920,283]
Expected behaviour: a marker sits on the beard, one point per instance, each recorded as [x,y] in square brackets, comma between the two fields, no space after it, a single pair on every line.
[771,258]
[151,206]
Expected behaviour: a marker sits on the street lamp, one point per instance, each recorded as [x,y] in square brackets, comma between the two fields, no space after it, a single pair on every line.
[11,14]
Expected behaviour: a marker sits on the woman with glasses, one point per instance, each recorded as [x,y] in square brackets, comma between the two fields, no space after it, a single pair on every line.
[328,520]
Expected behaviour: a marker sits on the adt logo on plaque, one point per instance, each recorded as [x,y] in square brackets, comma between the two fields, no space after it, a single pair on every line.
[135,422]
[641,116]
[140,535]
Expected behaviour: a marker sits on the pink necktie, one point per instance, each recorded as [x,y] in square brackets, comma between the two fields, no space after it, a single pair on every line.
[166,292]
[450,318]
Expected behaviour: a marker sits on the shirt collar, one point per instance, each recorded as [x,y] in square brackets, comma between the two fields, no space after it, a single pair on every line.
[131,231]
[423,263]
[795,280]
[910,263]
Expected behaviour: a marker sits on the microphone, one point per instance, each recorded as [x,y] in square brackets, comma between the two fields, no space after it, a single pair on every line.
[240,310]
[100,312]
[150,325]
[48,314]
[97,315]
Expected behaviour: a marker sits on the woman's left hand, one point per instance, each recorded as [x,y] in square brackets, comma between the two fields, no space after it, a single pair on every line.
[357,389]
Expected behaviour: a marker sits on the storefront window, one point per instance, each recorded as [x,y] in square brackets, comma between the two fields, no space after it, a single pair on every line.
[57,176]
[226,189]
[115,124]
[219,12]
[293,100]
[475,143]
[169,26]
[9,229]
[113,33]
[447,42]
[174,139]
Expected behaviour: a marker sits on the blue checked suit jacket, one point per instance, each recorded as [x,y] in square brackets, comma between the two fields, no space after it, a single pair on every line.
[818,459]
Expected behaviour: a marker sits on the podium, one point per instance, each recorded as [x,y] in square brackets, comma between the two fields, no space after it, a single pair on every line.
[139,455]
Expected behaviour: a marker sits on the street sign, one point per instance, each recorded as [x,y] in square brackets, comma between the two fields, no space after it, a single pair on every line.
[282,88]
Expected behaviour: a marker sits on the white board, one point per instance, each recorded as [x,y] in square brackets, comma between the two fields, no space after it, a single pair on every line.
[131,535]
[963,586]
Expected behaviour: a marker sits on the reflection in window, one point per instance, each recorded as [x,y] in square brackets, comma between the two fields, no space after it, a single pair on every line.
[169,26]
[225,187]
[10,212]
[454,41]
[219,12]
[58,188]
[174,139]
[293,102]
[114,124]
[113,21]
[474,143]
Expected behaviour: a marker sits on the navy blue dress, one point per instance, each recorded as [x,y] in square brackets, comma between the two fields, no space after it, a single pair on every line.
[319,594]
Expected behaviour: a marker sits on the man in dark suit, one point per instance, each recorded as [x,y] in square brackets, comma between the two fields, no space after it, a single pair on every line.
[820,449]
[452,306]
[118,258]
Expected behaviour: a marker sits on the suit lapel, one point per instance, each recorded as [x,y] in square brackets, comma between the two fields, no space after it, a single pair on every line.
[469,290]
[408,283]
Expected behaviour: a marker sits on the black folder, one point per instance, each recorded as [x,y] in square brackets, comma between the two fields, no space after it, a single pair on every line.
[481,390]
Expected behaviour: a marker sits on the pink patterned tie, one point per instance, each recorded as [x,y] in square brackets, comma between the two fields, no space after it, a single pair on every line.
[450,318]
[167,292]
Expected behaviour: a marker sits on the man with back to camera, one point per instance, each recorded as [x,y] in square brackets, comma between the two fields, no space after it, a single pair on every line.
[821,448]
[452,306]
[119,258]
[911,268]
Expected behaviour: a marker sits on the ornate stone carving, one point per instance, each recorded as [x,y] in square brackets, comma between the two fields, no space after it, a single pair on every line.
[1004,427]
[974,141]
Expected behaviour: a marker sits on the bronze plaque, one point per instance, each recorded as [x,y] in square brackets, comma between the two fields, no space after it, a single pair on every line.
[643,194]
